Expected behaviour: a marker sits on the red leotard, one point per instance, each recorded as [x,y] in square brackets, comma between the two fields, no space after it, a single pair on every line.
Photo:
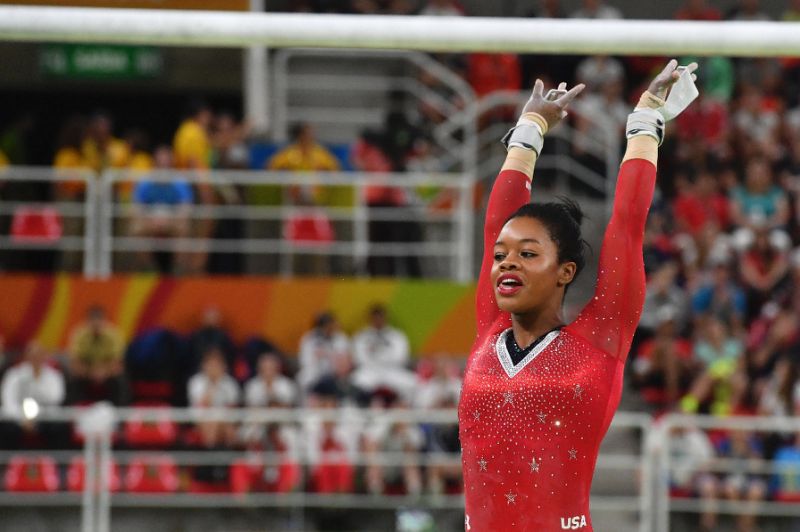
[530,433]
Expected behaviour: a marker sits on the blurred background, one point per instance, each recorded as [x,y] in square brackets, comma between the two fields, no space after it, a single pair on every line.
[237,286]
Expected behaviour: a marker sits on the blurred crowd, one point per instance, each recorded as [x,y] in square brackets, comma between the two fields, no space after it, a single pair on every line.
[206,369]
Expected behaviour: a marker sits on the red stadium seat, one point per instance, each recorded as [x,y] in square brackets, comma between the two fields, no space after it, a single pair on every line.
[31,224]
[32,474]
[141,432]
[152,474]
[314,228]
[76,475]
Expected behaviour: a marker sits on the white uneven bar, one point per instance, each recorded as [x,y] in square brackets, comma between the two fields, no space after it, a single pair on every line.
[454,34]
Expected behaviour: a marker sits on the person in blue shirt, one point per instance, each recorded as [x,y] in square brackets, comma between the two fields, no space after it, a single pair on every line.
[161,206]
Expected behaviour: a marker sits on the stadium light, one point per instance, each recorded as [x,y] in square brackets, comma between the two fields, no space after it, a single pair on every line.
[451,34]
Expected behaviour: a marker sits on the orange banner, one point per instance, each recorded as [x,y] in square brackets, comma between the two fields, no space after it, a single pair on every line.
[213,5]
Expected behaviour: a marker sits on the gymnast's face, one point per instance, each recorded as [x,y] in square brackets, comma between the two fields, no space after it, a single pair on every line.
[526,274]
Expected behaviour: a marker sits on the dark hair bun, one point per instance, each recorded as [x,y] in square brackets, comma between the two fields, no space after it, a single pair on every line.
[572,208]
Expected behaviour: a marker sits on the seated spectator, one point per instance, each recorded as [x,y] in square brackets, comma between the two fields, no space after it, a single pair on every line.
[211,333]
[213,388]
[305,154]
[706,124]
[756,123]
[340,380]
[28,388]
[191,144]
[759,202]
[596,9]
[488,73]
[691,454]
[720,382]
[663,369]
[739,483]
[269,388]
[781,394]
[697,10]
[664,297]
[442,388]
[598,70]
[318,349]
[330,445]
[96,361]
[763,267]
[100,149]
[381,354]
[229,148]
[786,480]
[770,337]
[160,209]
[400,438]
[720,297]
[69,156]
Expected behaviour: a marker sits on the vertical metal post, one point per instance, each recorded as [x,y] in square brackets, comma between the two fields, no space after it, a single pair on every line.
[256,81]
[360,227]
[662,456]
[104,488]
[648,461]
[91,256]
[89,477]
[106,224]
[280,78]
[462,223]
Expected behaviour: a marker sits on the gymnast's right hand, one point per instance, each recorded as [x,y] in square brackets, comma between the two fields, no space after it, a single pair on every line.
[552,107]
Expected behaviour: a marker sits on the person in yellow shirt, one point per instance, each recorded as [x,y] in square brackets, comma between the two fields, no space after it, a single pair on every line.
[305,154]
[191,145]
[100,148]
[70,156]
[96,360]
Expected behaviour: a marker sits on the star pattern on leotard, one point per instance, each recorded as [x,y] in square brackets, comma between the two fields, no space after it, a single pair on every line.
[534,465]
[476,415]
[542,417]
[511,498]
[578,392]
[482,464]
[573,454]
[508,398]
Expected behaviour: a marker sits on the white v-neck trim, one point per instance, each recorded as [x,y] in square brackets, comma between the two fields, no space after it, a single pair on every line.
[505,357]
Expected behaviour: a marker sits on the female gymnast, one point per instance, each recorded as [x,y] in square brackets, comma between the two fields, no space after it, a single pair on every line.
[539,395]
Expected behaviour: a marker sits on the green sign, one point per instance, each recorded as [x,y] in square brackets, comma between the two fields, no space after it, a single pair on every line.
[100,61]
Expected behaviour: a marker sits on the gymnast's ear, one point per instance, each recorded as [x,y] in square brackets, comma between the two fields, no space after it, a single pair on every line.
[566,273]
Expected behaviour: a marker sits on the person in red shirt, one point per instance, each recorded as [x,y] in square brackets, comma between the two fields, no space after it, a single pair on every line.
[539,395]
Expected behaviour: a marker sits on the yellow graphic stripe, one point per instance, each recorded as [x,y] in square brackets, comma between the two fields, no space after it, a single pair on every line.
[135,297]
[52,328]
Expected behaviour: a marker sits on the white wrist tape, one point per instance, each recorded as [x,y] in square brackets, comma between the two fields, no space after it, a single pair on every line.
[646,121]
[526,134]
[680,96]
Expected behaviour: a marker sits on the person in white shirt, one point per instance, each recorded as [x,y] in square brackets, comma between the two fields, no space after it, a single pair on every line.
[269,387]
[28,388]
[319,347]
[214,388]
[381,354]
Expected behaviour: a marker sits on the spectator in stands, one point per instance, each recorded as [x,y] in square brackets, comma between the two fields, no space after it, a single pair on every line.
[441,388]
[781,394]
[213,388]
[381,354]
[691,453]
[191,144]
[69,156]
[596,9]
[706,124]
[95,361]
[28,388]
[549,9]
[738,483]
[488,73]
[773,335]
[664,368]
[748,10]
[786,481]
[764,266]
[759,203]
[665,298]
[442,8]
[722,363]
[697,10]
[756,124]
[100,148]
[228,140]
[211,333]
[138,143]
[160,209]
[598,70]
[340,380]
[330,445]
[399,438]
[718,296]
[270,388]
[318,349]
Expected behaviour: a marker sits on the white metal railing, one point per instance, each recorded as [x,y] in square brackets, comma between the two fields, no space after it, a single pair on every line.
[84,211]
[358,214]
[99,423]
